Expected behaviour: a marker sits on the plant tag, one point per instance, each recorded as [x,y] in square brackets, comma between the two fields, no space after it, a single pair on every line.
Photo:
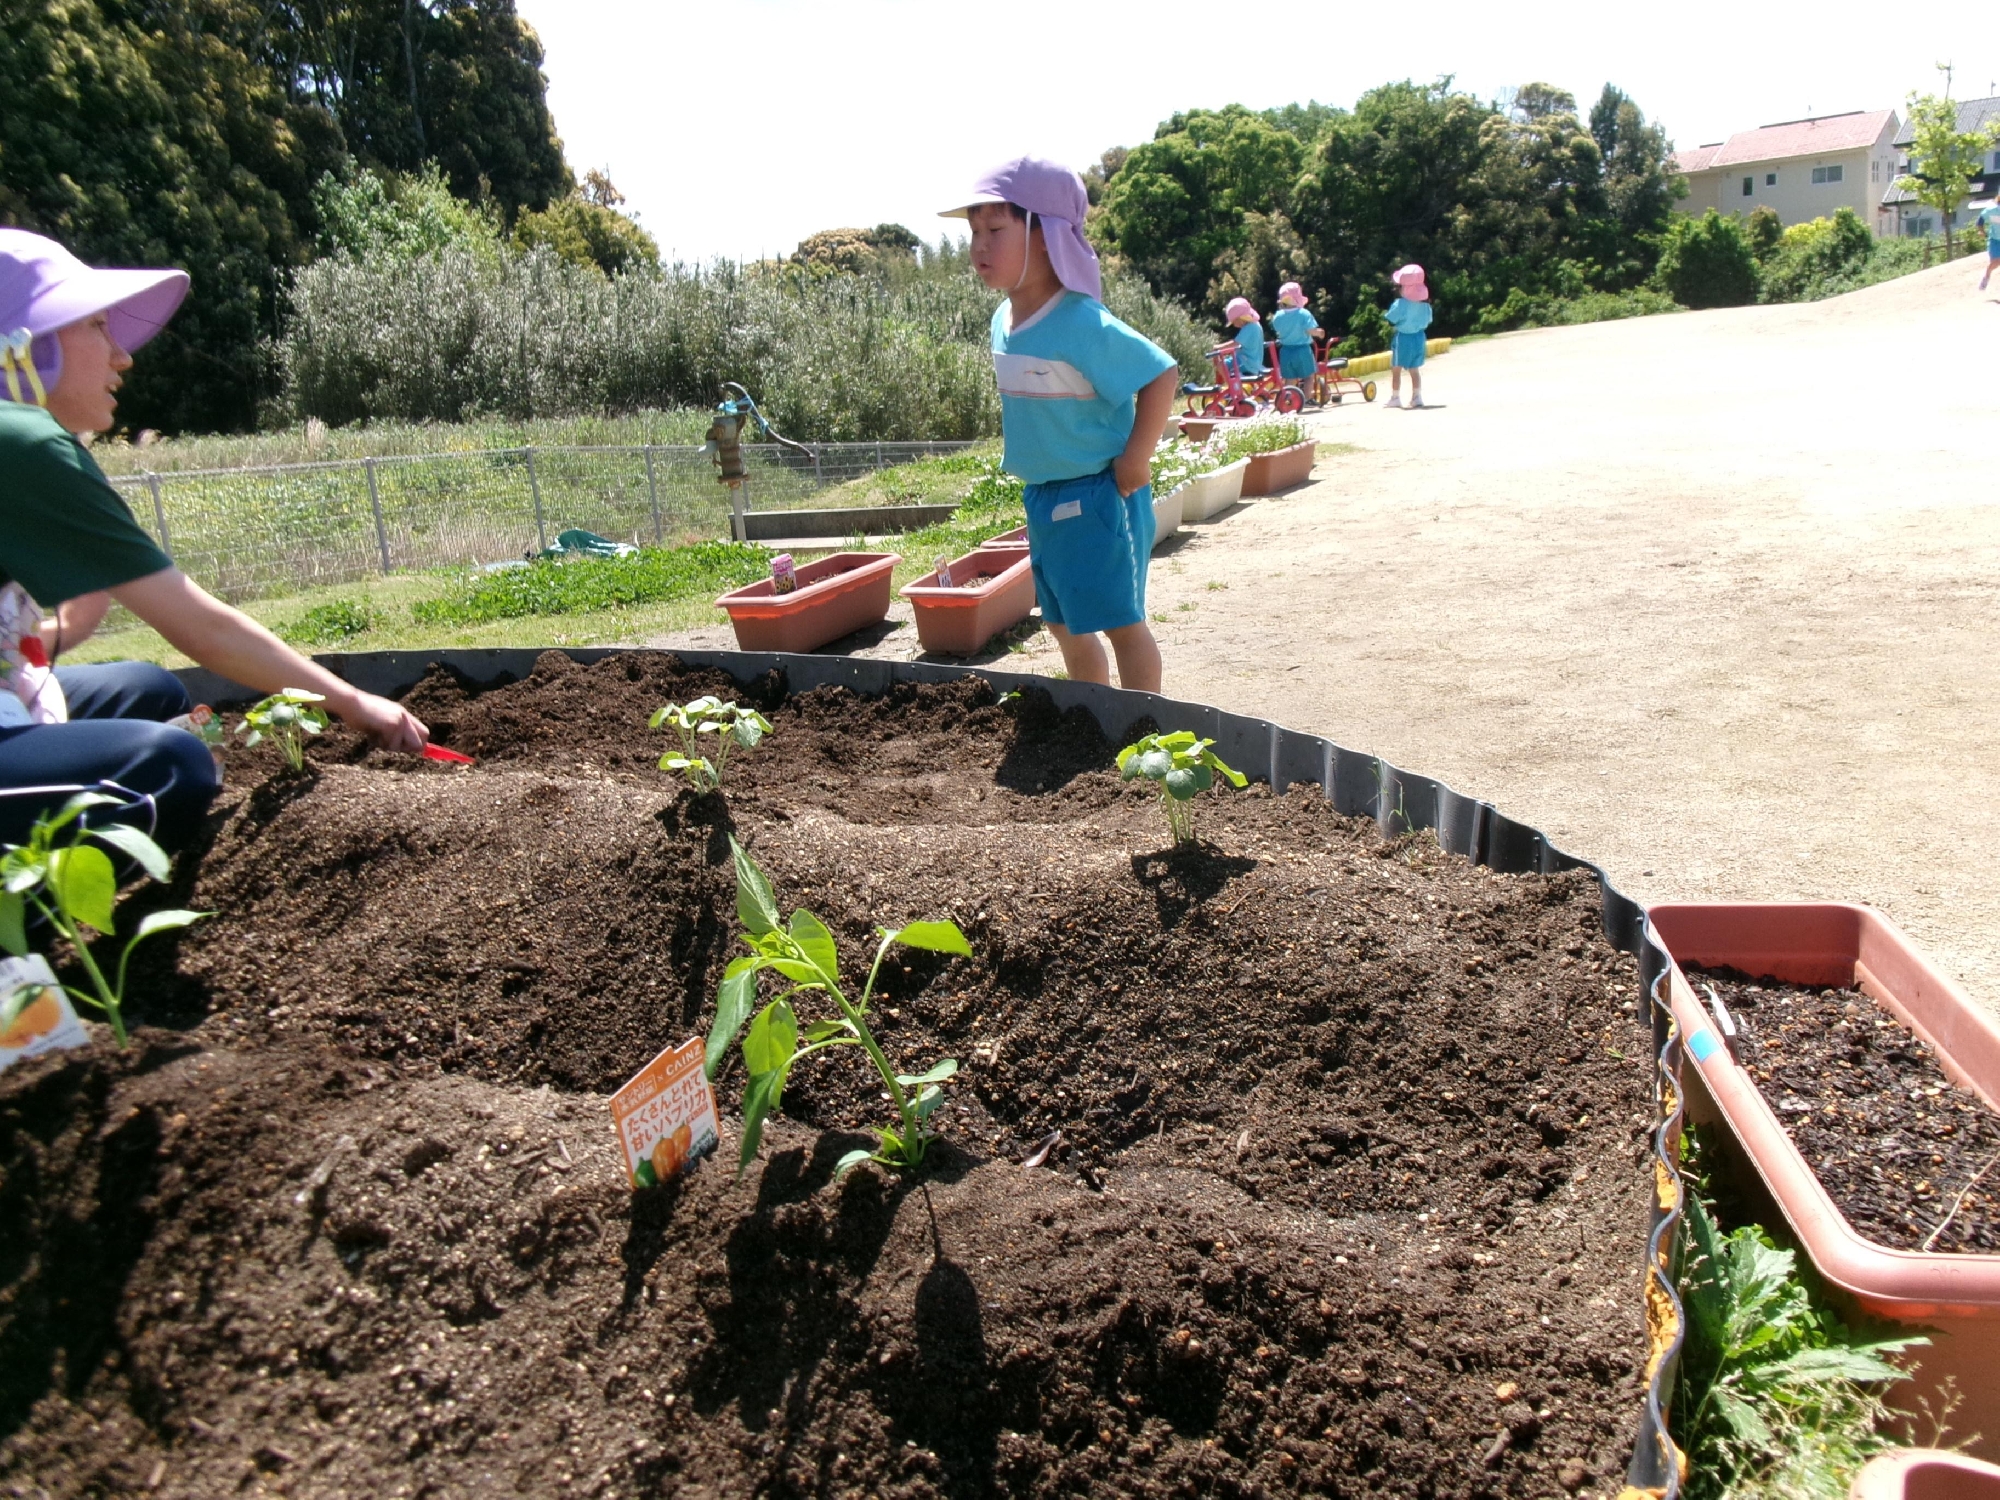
[46,1023]
[784,574]
[201,721]
[944,573]
[665,1116]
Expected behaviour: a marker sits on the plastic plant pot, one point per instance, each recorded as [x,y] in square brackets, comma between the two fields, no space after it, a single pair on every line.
[1215,491]
[1197,429]
[1168,512]
[958,621]
[1279,470]
[1925,1474]
[835,596]
[1018,537]
[1954,1298]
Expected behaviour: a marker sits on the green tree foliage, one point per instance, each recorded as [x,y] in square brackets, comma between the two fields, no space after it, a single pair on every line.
[1538,101]
[1818,258]
[856,250]
[194,134]
[1765,231]
[586,229]
[1183,199]
[375,213]
[1708,262]
[1943,158]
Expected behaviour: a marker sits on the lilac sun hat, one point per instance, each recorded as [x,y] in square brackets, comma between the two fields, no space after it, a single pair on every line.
[1240,310]
[1051,192]
[44,288]
[1409,283]
[1291,294]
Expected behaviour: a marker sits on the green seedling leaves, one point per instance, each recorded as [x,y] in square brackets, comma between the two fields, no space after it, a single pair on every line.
[85,884]
[805,952]
[168,921]
[286,717]
[731,724]
[850,1161]
[756,904]
[135,846]
[935,937]
[1184,766]
[13,923]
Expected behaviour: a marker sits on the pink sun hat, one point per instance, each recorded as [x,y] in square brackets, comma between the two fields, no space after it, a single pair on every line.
[43,288]
[1291,294]
[1239,310]
[1409,282]
[1054,194]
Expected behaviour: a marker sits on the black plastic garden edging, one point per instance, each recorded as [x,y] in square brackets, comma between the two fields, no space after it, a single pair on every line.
[1357,785]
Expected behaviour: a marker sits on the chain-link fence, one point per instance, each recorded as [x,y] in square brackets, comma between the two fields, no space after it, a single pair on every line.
[243,533]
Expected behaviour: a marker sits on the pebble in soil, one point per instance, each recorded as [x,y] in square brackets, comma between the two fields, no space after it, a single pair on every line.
[1350,1194]
[1899,1145]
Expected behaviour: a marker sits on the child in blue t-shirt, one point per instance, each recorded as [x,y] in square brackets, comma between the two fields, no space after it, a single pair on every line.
[1989,220]
[1295,328]
[1409,315]
[1248,330]
[1083,399]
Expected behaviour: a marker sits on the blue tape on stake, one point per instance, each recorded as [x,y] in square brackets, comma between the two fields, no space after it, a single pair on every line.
[1704,1044]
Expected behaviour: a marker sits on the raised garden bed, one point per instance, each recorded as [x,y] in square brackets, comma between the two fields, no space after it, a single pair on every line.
[1350,1195]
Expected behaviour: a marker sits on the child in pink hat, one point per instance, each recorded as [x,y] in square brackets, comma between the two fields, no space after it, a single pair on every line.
[69,546]
[1409,315]
[1295,328]
[1248,331]
[1083,399]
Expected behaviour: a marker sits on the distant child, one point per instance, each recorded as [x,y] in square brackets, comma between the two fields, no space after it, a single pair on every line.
[1989,220]
[1409,315]
[1295,328]
[1082,401]
[1248,330]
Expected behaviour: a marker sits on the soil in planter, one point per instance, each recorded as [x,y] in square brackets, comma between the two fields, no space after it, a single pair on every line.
[1349,1195]
[1894,1140]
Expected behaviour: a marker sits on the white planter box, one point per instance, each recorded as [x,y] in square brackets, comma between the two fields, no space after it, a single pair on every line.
[1167,513]
[1214,493]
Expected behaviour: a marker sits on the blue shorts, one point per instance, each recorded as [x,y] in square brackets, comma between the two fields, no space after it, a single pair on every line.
[1295,361]
[1088,548]
[1406,351]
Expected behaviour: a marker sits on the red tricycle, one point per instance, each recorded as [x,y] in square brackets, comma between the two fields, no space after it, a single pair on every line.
[1330,380]
[1233,396]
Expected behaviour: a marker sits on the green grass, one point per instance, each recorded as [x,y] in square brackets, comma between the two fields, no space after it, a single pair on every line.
[315,442]
[653,575]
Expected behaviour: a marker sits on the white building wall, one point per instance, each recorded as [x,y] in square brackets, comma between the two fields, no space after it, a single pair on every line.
[1787,187]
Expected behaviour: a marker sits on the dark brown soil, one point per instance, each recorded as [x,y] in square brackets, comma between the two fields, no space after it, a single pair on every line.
[1350,1184]
[1872,1111]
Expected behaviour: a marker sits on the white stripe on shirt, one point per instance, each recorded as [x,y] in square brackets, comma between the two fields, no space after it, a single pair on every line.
[1041,379]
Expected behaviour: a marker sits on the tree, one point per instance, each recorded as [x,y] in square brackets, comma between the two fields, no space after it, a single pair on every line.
[1604,119]
[1943,158]
[1537,101]
[1764,230]
[1640,185]
[586,229]
[1707,262]
[373,213]
[1180,200]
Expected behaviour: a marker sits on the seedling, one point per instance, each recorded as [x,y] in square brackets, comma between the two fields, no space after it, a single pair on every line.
[803,952]
[286,717]
[73,886]
[1183,766]
[729,723]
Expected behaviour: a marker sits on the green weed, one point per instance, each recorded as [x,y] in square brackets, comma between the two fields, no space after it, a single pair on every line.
[330,624]
[651,575]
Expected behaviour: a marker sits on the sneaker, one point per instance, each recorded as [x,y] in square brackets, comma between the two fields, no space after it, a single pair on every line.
[1394,401]
[1415,402]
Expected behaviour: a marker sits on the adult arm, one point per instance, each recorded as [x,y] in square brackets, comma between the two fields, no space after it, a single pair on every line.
[227,641]
[1134,467]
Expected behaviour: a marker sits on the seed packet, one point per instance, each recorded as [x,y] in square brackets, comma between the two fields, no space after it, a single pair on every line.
[201,721]
[784,576]
[45,1022]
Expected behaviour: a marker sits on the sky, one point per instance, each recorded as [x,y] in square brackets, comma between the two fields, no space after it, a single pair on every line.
[738,127]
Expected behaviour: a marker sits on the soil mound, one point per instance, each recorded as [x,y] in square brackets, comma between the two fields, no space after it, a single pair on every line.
[1348,1193]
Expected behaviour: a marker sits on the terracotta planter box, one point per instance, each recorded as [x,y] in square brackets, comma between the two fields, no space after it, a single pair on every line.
[1954,1297]
[959,621]
[1280,470]
[1214,492]
[1197,429]
[836,596]
[1018,537]
[1926,1474]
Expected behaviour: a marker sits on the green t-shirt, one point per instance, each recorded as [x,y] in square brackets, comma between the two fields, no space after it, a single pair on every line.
[63,530]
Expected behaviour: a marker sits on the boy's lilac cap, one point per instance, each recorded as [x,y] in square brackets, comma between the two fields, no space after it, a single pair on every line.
[1055,196]
[1410,283]
[1239,310]
[1291,294]
[44,288]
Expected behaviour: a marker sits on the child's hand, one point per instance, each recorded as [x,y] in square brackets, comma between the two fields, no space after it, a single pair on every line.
[1132,472]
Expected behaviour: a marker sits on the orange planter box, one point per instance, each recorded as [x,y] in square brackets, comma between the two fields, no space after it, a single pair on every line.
[836,596]
[1955,1298]
[958,621]
[1279,470]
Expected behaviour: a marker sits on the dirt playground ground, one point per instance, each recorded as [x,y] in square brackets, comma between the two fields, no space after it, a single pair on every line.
[1709,598]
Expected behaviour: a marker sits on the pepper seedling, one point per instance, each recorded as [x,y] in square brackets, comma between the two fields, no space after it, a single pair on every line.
[1183,766]
[803,952]
[286,717]
[728,722]
[73,887]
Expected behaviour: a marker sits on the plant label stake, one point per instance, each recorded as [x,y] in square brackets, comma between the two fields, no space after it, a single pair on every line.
[45,1022]
[665,1116]
[449,757]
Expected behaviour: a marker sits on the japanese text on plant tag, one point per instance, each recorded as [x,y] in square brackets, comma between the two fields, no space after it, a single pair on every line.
[665,1116]
[45,1022]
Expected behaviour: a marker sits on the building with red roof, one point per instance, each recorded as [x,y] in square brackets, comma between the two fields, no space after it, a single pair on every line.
[1800,169]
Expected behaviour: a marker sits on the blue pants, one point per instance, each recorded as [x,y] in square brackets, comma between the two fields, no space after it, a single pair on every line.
[114,735]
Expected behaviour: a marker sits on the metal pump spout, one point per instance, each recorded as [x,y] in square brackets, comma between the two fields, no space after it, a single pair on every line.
[725,446]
